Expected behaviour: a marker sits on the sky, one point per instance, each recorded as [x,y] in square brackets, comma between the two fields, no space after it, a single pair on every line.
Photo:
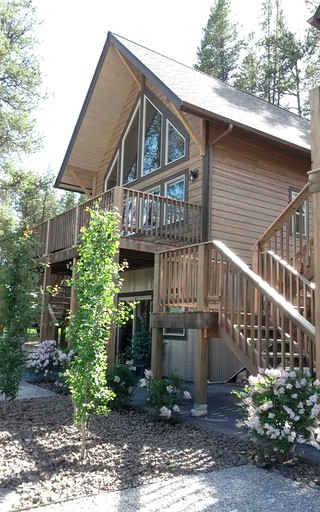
[71,37]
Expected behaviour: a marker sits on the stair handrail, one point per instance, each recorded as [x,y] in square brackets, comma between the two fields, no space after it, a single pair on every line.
[283,217]
[272,295]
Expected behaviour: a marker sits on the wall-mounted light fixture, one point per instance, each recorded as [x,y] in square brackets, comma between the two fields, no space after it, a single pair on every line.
[193,175]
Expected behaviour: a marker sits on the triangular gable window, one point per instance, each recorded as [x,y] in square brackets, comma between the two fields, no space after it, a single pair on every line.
[176,144]
[152,140]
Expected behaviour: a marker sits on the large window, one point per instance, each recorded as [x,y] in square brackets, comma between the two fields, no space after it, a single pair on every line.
[152,140]
[176,144]
[130,149]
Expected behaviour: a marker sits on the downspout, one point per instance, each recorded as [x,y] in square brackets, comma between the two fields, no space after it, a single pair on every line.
[206,182]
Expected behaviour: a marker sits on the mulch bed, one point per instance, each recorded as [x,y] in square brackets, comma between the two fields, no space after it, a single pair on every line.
[40,452]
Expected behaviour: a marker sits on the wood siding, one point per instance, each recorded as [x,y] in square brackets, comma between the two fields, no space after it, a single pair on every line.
[250,182]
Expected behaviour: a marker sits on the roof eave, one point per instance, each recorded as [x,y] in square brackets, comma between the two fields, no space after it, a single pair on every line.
[207,114]
[111,39]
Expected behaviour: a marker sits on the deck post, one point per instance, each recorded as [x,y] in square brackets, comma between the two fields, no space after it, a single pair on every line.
[201,342]
[157,334]
[45,314]
[314,183]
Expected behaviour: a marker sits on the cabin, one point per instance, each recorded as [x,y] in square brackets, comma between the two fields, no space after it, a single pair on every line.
[216,222]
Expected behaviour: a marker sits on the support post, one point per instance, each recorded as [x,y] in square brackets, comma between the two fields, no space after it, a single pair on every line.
[314,184]
[45,315]
[157,334]
[200,407]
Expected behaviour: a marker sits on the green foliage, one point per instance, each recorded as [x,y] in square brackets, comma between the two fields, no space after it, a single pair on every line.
[165,395]
[280,409]
[18,306]
[20,78]
[220,46]
[122,381]
[97,281]
[140,350]
[29,198]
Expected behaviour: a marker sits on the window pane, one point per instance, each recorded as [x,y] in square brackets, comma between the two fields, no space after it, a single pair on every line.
[175,190]
[130,151]
[152,138]
[176,144]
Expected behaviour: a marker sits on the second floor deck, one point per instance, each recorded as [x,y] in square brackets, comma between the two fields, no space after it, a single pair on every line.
[143,217]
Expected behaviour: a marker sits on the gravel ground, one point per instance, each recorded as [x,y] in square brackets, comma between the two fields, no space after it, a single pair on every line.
[39,457]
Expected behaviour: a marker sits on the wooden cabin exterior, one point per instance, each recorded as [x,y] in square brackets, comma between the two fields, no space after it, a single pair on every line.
[189,160]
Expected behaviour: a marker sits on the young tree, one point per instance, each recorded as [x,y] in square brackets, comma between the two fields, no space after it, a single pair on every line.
[20,79]
[18,305]
[97,281]
[219,49]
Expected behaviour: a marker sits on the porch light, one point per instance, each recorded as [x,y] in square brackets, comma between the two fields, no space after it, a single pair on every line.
[315,20]
[193,175]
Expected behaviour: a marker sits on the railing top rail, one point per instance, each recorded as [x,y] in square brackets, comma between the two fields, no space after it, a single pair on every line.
[184,247]
[284,216]
[303,279]
[273,296]
[97,197]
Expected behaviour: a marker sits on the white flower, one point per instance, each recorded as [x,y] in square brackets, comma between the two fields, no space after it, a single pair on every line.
[117,379]
[169,389]
[142,383]
[289,386]
[186,395]
[265,406]
[176,408]
[165,412]
[294,395]
[148,374]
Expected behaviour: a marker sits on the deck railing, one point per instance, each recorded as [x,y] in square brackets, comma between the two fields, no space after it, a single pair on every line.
[290,236]
[263,328]
[142,215]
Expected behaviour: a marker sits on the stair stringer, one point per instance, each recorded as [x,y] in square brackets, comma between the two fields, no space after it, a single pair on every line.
[244,358]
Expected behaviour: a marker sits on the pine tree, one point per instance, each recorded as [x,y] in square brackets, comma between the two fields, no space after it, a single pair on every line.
[247,78]
[20,78]
[219,49]
[271,68]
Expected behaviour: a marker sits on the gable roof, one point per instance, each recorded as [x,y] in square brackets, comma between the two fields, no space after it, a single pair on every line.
[189,90]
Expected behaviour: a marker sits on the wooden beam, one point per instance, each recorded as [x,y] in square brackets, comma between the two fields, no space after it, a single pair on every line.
[186,320]
[314,180]
[79,183]
[200,142]
[157,333]
[139,82]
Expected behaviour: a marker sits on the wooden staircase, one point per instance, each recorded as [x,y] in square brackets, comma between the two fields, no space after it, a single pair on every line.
[263,325]
[59,307]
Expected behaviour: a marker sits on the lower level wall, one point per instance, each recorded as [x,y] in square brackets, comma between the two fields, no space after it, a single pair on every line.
[178,357]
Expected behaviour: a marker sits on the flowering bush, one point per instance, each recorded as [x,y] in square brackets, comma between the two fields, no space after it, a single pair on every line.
[165,395]
[122,381]
[49,362]
[280,409]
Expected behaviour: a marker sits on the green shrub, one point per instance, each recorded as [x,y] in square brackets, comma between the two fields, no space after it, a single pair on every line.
[122,381]
[165,395]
